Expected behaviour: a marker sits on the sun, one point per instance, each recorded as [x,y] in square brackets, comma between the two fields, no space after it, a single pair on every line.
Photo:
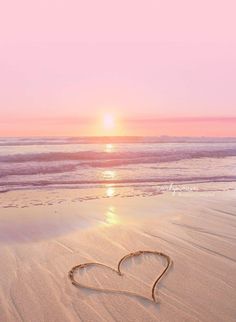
[108,122]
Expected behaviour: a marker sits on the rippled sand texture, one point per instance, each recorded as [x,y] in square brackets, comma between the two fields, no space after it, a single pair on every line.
[197,230]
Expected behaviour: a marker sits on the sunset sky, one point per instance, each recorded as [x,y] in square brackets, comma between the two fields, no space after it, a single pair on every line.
[152,67]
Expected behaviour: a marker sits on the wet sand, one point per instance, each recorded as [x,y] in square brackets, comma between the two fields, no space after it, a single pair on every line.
[41,240]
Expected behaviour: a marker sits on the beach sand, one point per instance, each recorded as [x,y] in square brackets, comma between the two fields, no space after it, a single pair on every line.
[42,237]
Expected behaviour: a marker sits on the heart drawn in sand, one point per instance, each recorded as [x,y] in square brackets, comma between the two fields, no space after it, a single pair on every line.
[118,271]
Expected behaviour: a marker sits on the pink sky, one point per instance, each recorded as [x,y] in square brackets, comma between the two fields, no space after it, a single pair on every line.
[66,63]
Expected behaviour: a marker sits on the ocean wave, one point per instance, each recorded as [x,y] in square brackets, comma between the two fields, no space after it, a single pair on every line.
[104,159]
[36,170]
[121,164]
[129,181]
[28,141]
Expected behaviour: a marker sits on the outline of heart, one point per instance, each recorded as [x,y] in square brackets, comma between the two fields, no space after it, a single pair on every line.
[118,271]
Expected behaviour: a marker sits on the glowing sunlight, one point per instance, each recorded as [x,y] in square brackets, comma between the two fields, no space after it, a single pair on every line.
[108,174]
[108,122]
[110,192]
[111,217]
[109,148]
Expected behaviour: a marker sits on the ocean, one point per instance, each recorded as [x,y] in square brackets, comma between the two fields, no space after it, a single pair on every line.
[75,162]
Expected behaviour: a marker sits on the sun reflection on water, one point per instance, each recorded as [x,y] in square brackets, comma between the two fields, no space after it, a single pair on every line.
[109,174]
[109,148]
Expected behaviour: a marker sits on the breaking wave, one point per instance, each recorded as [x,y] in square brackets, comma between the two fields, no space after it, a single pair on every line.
[104,159]
[38,162]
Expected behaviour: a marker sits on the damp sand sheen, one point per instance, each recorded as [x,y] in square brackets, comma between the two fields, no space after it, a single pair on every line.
[195,229]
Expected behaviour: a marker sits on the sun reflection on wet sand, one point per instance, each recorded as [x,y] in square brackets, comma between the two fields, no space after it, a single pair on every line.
[111,218]
[110,191]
